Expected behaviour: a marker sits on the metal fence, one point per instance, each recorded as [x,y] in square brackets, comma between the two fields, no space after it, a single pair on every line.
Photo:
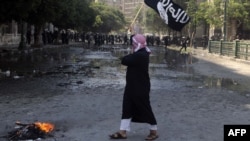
[236,49]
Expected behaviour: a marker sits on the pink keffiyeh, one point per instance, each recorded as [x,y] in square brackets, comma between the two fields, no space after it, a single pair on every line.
[139,42]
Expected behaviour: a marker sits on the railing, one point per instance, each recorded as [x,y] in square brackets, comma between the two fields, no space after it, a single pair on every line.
[236,49]
[9,39]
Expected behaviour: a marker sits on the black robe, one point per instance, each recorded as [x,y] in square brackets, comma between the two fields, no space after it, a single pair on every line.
[136,99]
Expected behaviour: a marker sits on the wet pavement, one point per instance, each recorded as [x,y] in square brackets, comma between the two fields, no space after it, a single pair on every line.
[99,62]
[80,90]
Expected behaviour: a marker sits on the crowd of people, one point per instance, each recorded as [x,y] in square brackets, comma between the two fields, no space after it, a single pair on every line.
[98,39]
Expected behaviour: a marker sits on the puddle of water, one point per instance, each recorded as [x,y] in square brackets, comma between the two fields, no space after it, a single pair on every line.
[102,63]
[182,62]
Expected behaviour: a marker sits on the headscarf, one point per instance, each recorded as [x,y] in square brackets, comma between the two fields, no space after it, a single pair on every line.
[139,42]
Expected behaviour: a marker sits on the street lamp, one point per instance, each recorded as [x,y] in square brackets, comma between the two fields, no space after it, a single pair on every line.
[225,20]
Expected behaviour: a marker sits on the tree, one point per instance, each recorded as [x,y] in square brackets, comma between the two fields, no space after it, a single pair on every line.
[107,18]
[238,14]
[45,11]
[64,14]
[17,10]
[75,14]
[213,14]
[36,12]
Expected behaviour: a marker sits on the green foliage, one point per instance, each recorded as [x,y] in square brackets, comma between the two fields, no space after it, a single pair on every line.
[238,10]
[98,21]
[45,11]
[63,13]
[209,12]
[213,12]
[74,14]
[65,17]
[16,9]
[107,18]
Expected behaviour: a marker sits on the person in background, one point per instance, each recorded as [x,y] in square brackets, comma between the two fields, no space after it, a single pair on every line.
[184,43]
[136,99]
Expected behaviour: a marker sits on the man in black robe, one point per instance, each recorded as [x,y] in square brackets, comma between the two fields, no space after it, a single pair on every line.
[136,100]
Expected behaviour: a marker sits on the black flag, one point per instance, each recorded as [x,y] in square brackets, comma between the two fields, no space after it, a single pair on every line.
[173,14]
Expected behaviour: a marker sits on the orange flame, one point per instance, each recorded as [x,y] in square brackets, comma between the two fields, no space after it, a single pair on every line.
[46,127]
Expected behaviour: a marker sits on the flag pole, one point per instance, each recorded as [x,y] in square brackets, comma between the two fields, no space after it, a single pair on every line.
[137,14]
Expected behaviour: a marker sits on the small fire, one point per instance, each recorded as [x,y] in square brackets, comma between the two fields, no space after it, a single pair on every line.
[46,127]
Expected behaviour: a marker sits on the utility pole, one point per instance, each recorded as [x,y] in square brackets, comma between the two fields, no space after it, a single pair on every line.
[225,20]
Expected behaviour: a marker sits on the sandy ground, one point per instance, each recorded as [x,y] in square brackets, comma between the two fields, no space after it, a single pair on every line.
[187,108]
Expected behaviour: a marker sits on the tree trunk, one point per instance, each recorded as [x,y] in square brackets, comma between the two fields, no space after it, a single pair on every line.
[232,30]
[22,44]
[38,36]
[211,31]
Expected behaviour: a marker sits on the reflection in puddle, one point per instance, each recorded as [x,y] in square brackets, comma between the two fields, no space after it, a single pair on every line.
[66,61]
[211,82]
[215,82]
